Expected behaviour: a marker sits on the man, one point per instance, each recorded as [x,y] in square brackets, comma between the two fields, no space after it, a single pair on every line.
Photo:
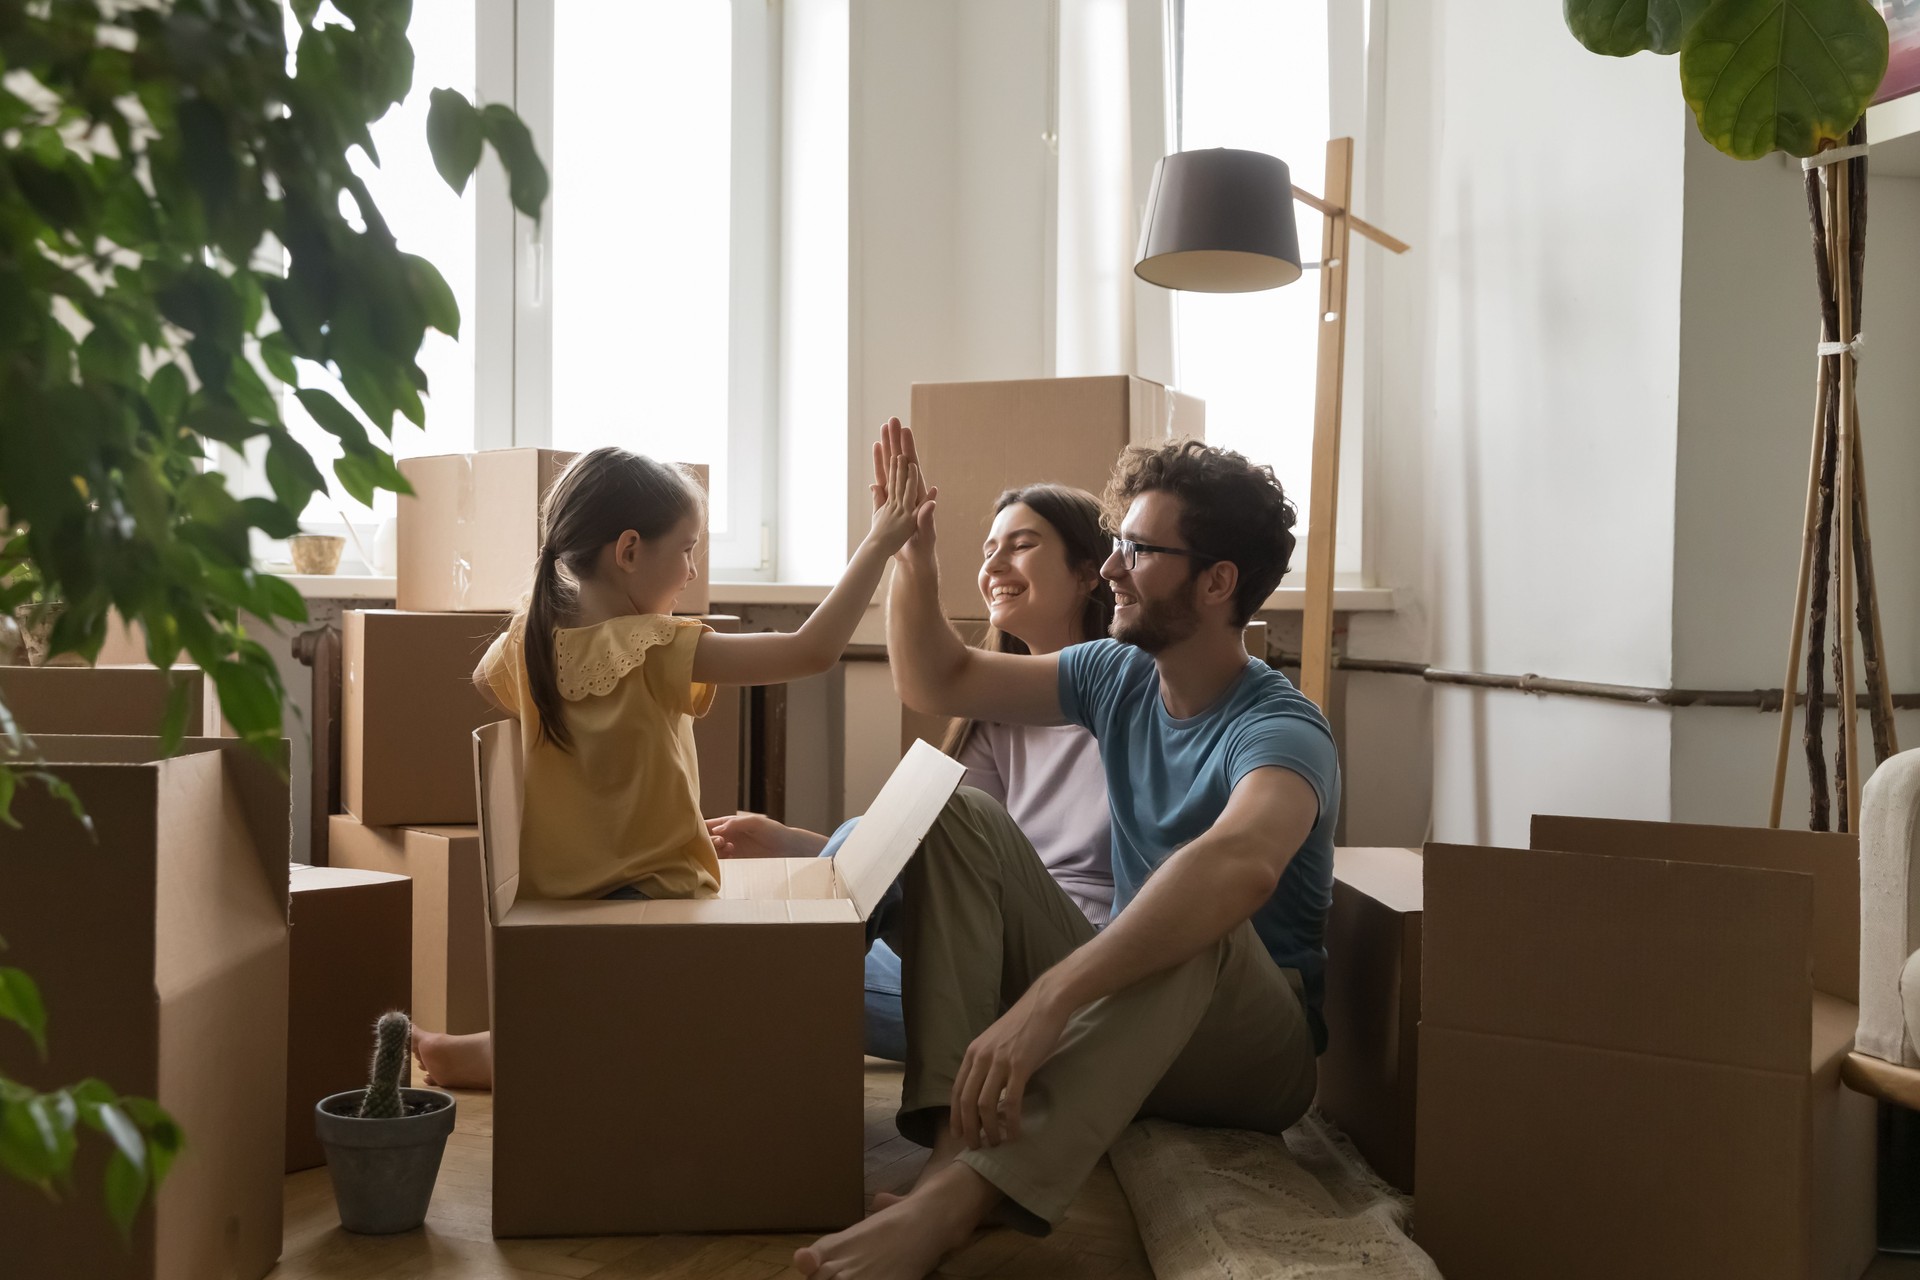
[1032,1041]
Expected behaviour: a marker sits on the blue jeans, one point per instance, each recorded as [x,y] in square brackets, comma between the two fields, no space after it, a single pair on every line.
[886,1025]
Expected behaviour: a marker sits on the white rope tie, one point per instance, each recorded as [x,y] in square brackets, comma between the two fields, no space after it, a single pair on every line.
[1844,348]
[1833,156]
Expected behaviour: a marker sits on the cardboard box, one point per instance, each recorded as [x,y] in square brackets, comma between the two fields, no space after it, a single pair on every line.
[449,962]
[1629,1056]
[469,536]
[409,708]
[978,439]
[724,1091]
[717,741]
[352,960]
[1369,1073]
[115,701]
[160,949]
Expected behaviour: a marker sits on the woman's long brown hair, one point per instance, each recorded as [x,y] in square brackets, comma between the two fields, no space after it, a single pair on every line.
[1075,516]
[600,496]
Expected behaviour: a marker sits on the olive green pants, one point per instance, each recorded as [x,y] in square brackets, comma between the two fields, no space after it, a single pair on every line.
[1220,1039]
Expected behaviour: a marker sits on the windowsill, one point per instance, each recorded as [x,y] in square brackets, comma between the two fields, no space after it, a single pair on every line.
[1346,599]
[338,586]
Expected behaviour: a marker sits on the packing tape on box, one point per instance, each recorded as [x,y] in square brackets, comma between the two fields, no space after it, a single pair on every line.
[464,503]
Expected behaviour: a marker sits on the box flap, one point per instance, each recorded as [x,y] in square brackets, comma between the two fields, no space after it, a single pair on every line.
[777,878]
[306,879]
[895,824]
[1698,962]
[1391,877]
[498,769]
[1832,859]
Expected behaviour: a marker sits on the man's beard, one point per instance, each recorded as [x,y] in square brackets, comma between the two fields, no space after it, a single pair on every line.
[1157,625]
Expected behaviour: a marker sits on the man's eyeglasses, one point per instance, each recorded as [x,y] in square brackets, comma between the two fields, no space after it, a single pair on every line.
[1129,552]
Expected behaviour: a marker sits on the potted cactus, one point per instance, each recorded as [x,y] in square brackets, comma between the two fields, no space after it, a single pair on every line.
[384,1142]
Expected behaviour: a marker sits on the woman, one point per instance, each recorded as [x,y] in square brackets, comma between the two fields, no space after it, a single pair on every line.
[1040,579]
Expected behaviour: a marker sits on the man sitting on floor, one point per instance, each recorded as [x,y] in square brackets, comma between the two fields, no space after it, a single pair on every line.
[1031,1041]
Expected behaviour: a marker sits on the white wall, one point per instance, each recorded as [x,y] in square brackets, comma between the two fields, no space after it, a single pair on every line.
[1530,357]
[1750,320]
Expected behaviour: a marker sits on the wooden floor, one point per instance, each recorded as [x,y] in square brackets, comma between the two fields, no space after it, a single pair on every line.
[1098,1239]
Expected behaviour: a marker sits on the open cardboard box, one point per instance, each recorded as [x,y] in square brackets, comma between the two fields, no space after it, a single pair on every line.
[686,1065]
[1629,1056]
[160,949]
[1369,1072]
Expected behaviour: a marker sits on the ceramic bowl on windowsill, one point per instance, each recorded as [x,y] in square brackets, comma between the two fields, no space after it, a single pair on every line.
[315,553]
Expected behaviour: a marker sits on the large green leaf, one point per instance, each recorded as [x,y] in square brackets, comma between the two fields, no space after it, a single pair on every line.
[1619,28]
[1782,75]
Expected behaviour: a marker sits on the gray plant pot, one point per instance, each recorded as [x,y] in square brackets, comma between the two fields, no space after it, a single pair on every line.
[384,1170]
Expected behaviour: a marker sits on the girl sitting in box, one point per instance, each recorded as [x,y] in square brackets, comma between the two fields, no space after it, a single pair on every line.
[605,681]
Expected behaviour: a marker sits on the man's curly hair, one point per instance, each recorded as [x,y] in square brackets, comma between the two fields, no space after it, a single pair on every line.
[1230,509]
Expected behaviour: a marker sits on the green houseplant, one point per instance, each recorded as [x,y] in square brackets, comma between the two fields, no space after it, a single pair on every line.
[180,228]
[1759,75]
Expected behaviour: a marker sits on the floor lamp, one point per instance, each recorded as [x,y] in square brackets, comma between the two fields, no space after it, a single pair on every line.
[1221,221]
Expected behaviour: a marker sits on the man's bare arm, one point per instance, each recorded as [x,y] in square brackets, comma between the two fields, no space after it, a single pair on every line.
[1199,895]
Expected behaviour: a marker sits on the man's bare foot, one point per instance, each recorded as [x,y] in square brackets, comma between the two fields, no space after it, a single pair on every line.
[455,1062]
[906,1238]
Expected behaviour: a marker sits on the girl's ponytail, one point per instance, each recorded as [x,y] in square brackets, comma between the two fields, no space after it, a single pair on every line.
[547,606]
[600,496]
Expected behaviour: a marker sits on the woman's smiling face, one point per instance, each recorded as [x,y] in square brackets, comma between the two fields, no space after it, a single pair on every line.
[1030,590]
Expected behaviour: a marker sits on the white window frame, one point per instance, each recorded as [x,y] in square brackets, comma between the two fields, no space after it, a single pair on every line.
[514,352]
[1356,59]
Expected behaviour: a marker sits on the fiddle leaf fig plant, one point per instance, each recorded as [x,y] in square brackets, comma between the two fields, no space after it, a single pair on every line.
[1759,75]
[182,227]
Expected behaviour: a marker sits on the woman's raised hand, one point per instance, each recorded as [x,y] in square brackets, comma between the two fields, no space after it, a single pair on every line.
[900,496]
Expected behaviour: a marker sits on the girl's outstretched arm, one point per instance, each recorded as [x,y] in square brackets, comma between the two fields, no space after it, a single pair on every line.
[776,657]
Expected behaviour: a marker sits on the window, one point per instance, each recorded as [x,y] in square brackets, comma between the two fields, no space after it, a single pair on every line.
[643,311]
[428,219]
[645,306]
[1254,75]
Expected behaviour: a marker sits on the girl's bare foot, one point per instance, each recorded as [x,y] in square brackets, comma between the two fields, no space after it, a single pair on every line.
[455,1062]
[905,1239]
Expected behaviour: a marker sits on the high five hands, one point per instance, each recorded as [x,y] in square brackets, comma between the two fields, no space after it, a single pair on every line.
[903,504]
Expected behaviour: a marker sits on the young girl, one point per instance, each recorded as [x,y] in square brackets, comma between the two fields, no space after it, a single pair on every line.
[605,682]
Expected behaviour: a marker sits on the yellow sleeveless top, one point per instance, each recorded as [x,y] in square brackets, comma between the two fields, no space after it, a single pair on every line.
[623,806]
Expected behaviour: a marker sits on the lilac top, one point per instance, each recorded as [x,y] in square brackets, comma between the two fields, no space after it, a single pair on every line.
[1050,779]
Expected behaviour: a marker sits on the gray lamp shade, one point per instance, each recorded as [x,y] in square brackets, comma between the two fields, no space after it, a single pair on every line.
[1219,221]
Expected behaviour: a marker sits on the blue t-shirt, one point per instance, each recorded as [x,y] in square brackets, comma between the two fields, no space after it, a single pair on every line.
[1168,781]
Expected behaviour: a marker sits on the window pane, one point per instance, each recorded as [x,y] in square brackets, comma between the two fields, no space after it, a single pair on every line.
[427,219]
[640,233]
[1255,78]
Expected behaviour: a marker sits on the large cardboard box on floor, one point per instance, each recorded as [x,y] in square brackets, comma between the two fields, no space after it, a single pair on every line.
[679,1066]
[1630,1056]
[1369,1072]
[160,949]
[978,439]
[449,962]
[117,701]
[409,708]
[469,535]
[352,961]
